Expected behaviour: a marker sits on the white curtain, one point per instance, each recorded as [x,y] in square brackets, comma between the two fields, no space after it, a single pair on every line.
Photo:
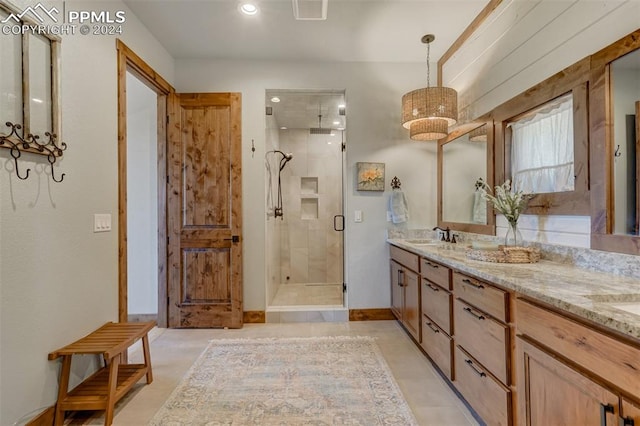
[542,150]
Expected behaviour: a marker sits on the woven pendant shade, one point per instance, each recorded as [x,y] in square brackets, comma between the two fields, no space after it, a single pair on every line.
[478,135]
[428,103]
[428,130]
[428,112]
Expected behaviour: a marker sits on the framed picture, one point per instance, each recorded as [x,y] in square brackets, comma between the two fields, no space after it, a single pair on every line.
[370,176]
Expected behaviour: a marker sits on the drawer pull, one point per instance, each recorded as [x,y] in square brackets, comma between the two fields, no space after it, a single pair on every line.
[472,283]
[604,409]
[432,287]
[626,421]
[433,265]
[478,372]
[434,329]
[400,277]
[473,314]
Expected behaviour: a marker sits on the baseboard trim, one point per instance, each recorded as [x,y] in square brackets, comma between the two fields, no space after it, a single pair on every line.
[142,317]
[45,418]
[376,314]
[254,317]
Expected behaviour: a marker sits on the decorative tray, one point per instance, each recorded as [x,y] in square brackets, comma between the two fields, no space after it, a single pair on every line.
[506,254]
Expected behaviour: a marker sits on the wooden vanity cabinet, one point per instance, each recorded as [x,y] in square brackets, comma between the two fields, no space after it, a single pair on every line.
[481,334]
[436,314]
[570,373]
[405,289]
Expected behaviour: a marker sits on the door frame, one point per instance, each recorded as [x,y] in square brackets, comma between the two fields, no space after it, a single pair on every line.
[129,61]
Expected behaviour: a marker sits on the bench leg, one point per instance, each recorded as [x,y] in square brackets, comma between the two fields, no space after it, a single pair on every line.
[63,388]
[147,357]
[111,395]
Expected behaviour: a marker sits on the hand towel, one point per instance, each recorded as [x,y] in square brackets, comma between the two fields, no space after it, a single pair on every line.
[398,206]
[479,208]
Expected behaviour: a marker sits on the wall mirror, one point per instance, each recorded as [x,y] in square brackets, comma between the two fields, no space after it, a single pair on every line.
[625,114]
[542,143]
[30,82]
[465,157]
[614,116]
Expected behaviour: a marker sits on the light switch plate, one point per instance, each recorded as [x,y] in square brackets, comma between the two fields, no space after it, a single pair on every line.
[102,222]
[358,216]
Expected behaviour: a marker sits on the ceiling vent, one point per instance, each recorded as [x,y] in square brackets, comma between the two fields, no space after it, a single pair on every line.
[310,10]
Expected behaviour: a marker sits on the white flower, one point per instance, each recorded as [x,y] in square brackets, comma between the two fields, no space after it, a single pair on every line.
[507,202]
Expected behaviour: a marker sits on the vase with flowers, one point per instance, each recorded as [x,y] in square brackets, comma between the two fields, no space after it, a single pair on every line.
[510,203]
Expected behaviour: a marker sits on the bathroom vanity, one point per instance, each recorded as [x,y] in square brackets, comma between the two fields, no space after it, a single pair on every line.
[527,344]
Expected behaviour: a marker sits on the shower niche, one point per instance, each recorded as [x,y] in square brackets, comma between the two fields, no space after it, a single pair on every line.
[309,198]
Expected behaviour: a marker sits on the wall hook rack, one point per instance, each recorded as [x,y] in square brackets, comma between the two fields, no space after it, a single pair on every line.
[17,143]
[395,183]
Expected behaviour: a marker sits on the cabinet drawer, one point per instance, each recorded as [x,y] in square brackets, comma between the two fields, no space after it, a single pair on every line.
[484,338]
[484,296]
[436,304]
[490,399]
[408,259]
[615,361]
[436,273]
[437,344]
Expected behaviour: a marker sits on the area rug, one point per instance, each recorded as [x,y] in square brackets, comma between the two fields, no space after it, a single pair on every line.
[288,381]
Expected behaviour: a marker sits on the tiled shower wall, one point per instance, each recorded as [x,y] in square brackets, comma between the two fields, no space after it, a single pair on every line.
[311,251]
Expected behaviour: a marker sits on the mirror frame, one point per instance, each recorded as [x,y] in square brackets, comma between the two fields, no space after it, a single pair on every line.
[573,79]
[490,227]
[601,125]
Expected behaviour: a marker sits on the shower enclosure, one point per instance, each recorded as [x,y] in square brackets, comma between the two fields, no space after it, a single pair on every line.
[304,199]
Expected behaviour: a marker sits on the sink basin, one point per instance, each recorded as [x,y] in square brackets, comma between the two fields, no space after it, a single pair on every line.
[625,302]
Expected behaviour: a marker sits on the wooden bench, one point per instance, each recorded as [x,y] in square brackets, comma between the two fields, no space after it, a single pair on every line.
[106,386]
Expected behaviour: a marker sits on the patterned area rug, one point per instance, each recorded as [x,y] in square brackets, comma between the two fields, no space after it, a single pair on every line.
[293,381]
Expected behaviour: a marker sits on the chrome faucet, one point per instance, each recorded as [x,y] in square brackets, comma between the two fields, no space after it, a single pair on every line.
[446,232]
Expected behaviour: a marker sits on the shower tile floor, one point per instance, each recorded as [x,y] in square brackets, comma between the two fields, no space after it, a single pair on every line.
[308,294]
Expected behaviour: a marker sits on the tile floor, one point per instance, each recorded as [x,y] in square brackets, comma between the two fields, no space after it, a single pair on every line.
[308,294]
[174,351]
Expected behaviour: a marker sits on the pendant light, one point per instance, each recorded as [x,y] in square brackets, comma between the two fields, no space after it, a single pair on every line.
[428,112]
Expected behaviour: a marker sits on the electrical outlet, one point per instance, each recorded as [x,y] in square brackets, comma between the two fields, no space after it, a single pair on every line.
[101,222]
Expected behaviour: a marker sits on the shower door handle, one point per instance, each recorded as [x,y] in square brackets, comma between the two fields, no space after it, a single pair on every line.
[335,223]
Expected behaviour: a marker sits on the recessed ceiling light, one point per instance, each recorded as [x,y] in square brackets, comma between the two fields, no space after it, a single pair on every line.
[283,128]
[342,106]
[336,123]
[275,99]
[248,8]
[329,142]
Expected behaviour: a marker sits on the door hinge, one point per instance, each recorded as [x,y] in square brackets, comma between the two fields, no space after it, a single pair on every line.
[344,146]
[167,179]
[168,301]
[167,118]
[344,287]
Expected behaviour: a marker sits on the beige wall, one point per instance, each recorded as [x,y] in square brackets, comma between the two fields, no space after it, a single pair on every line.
[373,93]
[58,279]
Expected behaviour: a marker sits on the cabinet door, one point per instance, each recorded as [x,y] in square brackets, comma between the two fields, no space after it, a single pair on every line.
[411,314]
[552,393]
[630,413]
[397,292]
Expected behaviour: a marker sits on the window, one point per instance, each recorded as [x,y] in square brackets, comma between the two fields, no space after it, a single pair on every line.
[542,158]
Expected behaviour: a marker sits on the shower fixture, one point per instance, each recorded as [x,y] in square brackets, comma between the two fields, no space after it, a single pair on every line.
[286,157]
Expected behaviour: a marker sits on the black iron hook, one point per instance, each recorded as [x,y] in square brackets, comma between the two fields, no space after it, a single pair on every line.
[15,153]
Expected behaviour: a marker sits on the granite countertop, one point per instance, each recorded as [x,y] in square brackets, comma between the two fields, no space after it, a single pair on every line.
[582,292]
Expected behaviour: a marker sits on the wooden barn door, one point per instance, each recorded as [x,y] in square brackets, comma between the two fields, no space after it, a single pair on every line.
[205,211]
